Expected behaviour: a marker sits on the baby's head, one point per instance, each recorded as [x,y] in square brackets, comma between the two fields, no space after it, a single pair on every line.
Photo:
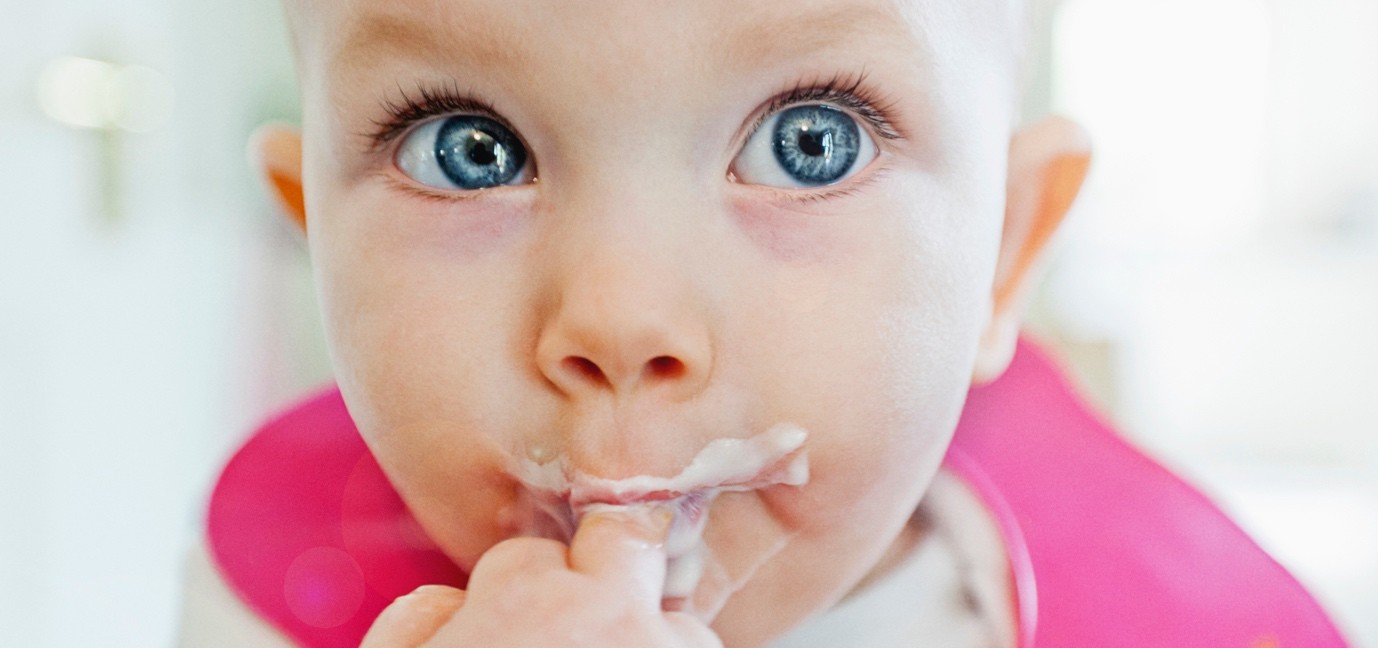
[614,232]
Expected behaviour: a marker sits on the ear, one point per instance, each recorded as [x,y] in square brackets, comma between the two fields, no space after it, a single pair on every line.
[1048,162]
[275,151]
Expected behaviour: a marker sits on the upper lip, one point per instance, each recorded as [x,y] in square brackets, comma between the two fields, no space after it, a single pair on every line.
[776,456]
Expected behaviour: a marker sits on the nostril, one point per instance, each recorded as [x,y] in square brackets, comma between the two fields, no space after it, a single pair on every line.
[586,368]
[664,367]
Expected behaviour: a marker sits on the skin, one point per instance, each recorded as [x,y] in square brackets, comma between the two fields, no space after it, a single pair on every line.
[643,298]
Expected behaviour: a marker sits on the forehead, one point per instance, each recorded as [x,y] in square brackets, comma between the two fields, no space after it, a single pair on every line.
[340,35]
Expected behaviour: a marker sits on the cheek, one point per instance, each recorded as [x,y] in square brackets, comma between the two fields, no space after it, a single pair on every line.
[879,444]
[451,488]
[787,237]
[888,320]
[429,377]
[400,279]
[878,370]
[913,335]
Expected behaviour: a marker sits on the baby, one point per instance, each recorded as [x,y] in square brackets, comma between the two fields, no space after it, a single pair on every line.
[659,317]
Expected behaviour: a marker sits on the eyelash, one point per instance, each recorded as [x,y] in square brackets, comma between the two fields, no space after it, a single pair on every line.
[428,101]
[848,91]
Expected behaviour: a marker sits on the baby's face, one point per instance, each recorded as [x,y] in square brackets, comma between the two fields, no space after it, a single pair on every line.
[613,232]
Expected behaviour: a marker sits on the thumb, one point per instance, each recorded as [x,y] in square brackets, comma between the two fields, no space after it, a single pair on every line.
[412,620]
[624,546]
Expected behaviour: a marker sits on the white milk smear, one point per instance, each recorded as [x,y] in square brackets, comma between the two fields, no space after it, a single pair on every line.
[562,495]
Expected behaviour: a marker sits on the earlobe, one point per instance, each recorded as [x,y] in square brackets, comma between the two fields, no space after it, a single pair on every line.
[275,151]
[1048,163]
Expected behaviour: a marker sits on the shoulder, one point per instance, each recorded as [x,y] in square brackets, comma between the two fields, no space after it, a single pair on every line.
[304,528]
[1087,517]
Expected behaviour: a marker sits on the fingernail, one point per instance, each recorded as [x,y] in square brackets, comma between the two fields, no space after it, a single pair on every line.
[652,521]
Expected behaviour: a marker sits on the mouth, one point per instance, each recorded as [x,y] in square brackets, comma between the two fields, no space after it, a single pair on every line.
[560,496]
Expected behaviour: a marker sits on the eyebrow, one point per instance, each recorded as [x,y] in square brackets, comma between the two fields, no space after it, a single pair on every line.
[771,38]
[378,35]
[761,40]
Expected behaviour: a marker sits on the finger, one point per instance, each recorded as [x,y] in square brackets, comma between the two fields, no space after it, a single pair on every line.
[624,545]
[413,619]
[514,557]
[692,630]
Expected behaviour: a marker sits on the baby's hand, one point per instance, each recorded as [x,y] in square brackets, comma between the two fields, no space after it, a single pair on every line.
[602,590]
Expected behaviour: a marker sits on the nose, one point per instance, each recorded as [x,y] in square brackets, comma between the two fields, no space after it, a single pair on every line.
[626,322]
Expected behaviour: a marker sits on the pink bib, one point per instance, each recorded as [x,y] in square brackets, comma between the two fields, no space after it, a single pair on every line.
[1107,547]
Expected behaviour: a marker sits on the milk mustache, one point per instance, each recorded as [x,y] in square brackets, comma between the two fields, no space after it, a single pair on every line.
[560,496]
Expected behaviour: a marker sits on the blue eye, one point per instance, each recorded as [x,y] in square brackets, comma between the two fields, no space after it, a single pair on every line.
[804,146]
[463,152]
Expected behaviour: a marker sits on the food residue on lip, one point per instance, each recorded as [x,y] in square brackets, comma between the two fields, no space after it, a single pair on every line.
[773,457]
[564,494]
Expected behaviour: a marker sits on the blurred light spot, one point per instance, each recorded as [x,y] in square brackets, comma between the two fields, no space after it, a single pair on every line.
[324,587]
[87,93]
[76,91]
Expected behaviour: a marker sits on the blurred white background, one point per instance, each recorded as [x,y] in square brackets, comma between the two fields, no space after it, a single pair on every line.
[1216,289]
